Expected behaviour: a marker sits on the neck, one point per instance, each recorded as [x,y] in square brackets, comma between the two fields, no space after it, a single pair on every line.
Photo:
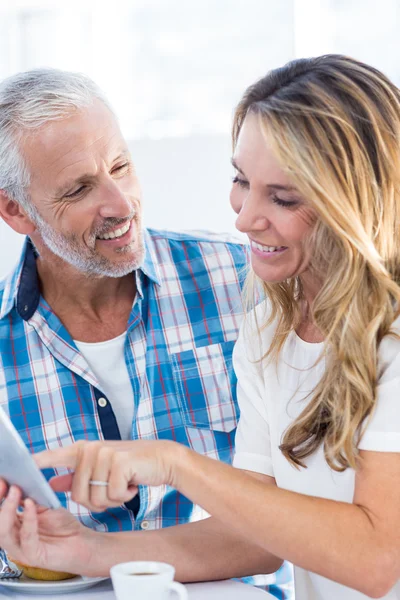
[92,308]
[80,291]
[310,286]
[306,329]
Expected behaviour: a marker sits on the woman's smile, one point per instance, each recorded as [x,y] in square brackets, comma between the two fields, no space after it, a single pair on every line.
[265,251]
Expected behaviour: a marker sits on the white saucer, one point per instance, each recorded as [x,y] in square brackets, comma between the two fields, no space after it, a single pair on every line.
[24,585]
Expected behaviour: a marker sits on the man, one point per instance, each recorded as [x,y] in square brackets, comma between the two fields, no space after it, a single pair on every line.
[109,331]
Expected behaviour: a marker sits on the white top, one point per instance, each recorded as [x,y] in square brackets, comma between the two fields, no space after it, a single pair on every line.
[107,361]
[270,398]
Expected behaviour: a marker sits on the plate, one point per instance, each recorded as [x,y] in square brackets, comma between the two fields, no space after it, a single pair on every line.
[24,585]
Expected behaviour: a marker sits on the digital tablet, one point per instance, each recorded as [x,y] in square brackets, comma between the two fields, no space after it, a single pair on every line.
[18,467]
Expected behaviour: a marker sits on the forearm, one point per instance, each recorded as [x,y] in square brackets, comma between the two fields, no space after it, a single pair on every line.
[333,539]
[205,550]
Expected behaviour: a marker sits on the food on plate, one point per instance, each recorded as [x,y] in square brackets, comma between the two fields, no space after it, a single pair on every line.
[42,574]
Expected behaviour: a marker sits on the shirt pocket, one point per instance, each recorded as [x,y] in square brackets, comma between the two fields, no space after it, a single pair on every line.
[206,387]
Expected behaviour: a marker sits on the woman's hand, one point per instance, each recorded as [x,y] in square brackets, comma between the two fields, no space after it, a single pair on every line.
[121,465]
[40,537]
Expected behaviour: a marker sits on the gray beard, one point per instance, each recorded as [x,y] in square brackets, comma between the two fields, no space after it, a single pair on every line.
[81,257]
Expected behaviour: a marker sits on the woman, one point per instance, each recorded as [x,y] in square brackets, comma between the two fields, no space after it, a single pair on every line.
[317,190]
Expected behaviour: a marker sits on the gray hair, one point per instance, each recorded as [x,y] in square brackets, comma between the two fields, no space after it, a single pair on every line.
[29,100]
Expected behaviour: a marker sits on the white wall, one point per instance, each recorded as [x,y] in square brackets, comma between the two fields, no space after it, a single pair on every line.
[364,29]
[10,244]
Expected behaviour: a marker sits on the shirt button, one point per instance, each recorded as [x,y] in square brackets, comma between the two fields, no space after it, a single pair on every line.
[145,525]
[102,402]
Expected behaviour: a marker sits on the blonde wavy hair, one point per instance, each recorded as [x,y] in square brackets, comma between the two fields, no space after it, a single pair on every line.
[334,125]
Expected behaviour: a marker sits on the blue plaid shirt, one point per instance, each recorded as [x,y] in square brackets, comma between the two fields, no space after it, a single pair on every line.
[180,336]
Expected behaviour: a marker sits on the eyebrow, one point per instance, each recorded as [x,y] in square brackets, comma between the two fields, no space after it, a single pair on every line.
[85,177]
[236,166]
[269,186]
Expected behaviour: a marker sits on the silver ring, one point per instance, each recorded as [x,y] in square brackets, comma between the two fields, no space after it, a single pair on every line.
[98,483]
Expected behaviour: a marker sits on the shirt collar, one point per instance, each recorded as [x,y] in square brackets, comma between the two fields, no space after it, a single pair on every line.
[21,288]
[150,265]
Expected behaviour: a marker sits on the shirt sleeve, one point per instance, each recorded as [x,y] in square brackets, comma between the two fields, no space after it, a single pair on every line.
[252,442]
[383,430]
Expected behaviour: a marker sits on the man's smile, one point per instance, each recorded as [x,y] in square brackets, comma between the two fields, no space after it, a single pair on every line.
[116,233]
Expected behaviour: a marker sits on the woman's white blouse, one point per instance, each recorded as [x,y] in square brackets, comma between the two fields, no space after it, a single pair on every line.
[272,395]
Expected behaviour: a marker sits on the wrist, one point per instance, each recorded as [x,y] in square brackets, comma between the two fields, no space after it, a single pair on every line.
[179,458]
[93,561]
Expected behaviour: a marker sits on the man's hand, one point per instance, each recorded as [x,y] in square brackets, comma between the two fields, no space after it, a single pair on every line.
[40,537]
[121,466]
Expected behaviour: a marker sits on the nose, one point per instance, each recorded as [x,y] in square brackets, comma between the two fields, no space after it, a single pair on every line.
[251,216]
[114,202]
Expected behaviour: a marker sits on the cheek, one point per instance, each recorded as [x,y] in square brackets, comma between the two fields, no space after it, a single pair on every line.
[70,217]
[129,186]
[78,219]
[297,227]
[136,203]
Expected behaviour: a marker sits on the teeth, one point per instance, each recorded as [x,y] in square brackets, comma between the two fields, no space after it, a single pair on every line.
[115,234]
[266,248]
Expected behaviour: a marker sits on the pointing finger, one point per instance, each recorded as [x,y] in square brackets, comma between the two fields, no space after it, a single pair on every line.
[60,457]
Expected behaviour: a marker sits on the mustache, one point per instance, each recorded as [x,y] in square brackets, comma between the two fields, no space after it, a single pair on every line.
[111,223]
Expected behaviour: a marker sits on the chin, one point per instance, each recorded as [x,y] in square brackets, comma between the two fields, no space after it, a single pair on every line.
[269,277]
[268,274]
[124,267]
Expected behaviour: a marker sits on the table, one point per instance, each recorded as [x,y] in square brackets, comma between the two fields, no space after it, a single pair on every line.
[213,590]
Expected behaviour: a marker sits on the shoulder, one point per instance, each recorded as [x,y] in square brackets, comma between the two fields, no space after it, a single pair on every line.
[389,355]
[382,433]
[2,295]
[194,251]
[257,325]
[7,292]
[256,333]
[199,238]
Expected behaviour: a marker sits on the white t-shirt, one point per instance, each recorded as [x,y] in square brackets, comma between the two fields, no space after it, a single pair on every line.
[271,396]
[107,361]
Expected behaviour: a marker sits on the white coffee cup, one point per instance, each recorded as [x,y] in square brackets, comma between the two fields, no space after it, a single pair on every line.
[145,580]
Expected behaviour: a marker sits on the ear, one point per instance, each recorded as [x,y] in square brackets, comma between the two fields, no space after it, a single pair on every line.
[12,213]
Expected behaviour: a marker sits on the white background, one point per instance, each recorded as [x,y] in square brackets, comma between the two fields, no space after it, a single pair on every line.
[174,70]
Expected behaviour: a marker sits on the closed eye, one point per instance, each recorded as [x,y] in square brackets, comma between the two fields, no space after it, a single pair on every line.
[76,192]
[120,168]
[117,170]
[284,203]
